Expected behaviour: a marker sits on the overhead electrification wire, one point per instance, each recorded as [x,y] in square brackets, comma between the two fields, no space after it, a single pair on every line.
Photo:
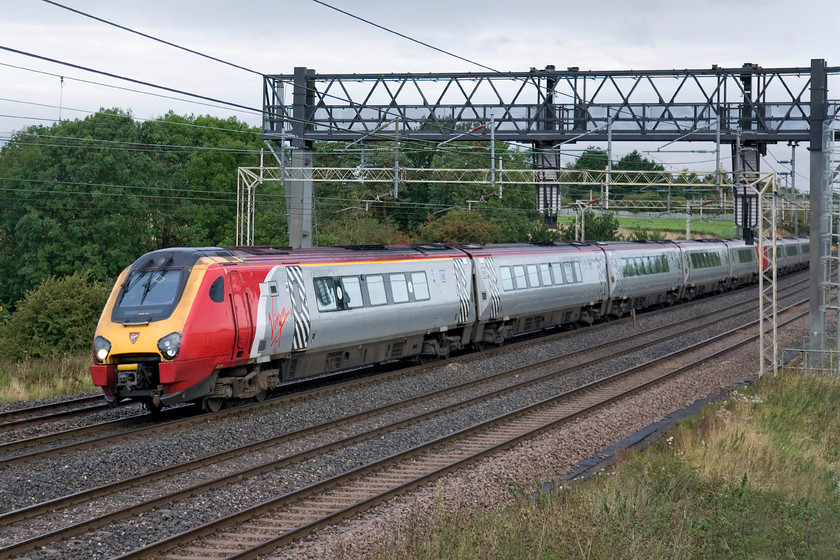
[121,88]
[192,51]
[197,53]
[412,39]
[109,113]
[419,42]
[132,80]
[383,136]
[153,38]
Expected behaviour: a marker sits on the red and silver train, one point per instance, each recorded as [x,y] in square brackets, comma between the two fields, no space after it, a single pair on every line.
[210,324]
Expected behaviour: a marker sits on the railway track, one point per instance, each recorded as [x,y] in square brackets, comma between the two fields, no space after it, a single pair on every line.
[101,433]
[595,354]
[78,406]
[264,527]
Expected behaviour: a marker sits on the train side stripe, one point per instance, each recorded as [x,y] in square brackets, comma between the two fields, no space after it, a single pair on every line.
[493,285]
[463,289]
[300,308]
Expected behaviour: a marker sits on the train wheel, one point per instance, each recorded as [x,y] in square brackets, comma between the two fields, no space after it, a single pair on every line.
[211,405]
[261,395]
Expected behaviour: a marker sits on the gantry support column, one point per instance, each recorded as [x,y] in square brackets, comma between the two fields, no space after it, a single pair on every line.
[546,169]
[299,191]
[820,214]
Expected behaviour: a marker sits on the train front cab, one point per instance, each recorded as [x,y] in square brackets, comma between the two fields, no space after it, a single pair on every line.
[166,326]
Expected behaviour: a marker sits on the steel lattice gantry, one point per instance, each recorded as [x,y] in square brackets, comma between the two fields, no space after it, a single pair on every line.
[747,107]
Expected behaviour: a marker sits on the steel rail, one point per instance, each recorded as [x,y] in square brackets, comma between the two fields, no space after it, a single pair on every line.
[179,412]
[9,416]
[114,487]
[340,495]
[52,416]
[196,489]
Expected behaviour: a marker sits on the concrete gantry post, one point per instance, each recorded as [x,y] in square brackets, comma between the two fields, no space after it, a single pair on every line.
[819,210]
[299,191]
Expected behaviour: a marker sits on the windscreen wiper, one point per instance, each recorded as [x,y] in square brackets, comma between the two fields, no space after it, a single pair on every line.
[126,285]
[148,284]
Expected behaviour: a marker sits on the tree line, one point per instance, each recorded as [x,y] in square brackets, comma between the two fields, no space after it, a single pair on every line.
[91,195]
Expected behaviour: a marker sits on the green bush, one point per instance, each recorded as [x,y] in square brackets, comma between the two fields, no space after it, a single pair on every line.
[57,317]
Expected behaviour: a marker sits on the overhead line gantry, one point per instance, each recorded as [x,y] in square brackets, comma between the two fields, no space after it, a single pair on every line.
[747,107]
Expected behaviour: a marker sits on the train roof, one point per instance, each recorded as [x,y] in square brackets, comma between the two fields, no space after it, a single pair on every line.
[506,249]
[636,245]
[258,254]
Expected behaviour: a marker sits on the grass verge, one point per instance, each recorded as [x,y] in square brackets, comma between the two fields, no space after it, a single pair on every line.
[45,377]
[757,476]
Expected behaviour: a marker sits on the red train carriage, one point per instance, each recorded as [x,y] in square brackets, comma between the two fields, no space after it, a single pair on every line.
[210,324]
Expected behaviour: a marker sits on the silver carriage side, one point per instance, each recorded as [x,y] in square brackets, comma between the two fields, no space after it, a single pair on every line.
[522,288]
[642,274]
[743,263]
[357,307]
[706,267]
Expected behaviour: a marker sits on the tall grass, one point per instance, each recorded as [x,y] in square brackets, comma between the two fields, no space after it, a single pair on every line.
[45,377]
[755,477]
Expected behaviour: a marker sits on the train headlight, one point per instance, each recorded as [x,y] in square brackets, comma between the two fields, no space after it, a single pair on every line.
[170,345]
[101,348]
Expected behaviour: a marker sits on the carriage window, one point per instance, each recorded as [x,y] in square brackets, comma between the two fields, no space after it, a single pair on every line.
[519,277]
[399,288]
[376,290]
[217,290]
[568,273]
[557,271]
[507,278]
[325,294]
[421,286]
[533,276]
[638,266]
[545,274]
[352,291]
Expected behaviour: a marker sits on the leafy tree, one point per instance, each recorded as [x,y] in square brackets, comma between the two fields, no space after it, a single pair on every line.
[592,159]
[361,229]
[635,162]
[58,316]
[597,228]
[93,194]
[462,226]
[642,234]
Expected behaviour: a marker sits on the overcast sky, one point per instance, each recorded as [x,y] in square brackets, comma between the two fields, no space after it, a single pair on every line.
[274,36]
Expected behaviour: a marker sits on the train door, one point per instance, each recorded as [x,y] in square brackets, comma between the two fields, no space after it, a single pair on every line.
[241,307]
[273,330]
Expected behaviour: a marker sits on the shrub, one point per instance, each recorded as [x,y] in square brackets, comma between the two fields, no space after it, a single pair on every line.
[58,316]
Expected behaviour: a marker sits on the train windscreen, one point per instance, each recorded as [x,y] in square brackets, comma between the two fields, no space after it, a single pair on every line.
[149,295]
